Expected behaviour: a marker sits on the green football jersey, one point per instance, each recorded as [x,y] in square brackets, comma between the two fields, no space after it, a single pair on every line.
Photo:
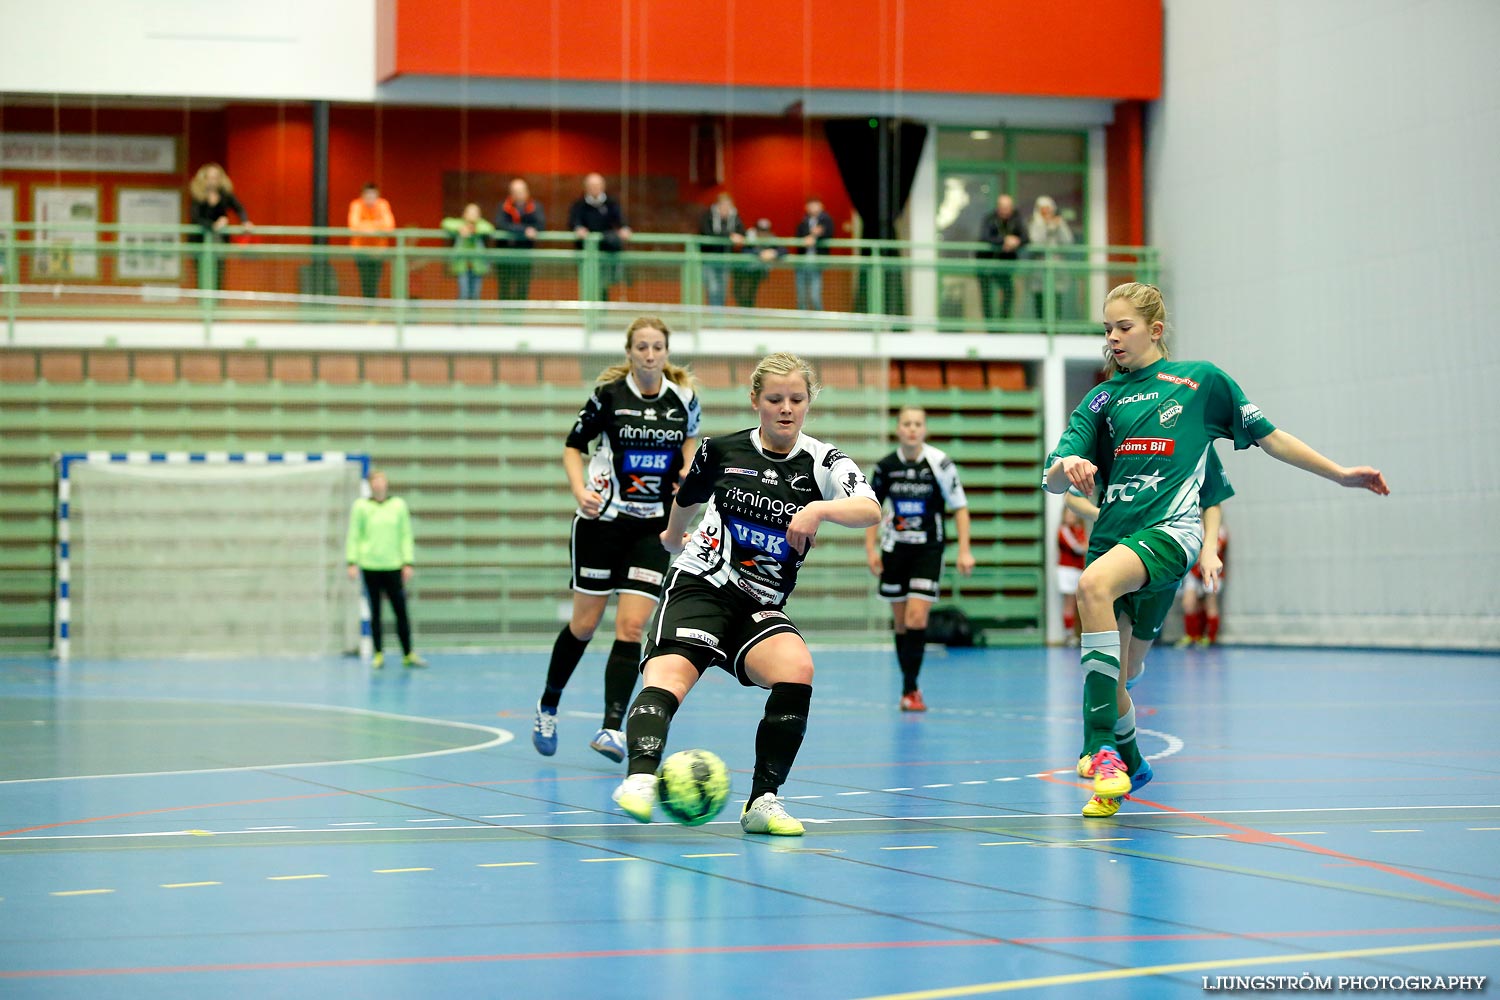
[1156,428]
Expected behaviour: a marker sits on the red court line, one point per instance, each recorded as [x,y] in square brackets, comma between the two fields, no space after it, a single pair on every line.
[743,949]
[297,798]
[1249,835]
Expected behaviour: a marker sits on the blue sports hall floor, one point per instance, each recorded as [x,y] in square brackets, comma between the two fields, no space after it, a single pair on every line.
[312,829]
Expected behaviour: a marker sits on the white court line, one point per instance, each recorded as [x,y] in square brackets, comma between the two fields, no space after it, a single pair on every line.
[499,737]
[628,824]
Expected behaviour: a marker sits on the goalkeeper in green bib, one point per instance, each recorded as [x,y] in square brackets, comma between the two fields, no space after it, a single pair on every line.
[1146,434]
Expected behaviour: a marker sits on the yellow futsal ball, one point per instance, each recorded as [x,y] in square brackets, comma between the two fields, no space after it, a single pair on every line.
[692,786]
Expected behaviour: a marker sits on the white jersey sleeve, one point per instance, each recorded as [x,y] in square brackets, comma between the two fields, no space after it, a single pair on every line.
[945,470]
[838,474]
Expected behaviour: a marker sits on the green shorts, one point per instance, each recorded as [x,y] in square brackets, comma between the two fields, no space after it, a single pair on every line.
[1166,565]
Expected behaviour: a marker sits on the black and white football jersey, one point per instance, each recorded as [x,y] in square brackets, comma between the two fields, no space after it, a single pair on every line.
[639,455]
[751,497]
[921,492]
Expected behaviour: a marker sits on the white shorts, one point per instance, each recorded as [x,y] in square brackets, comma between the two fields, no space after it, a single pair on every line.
[1067,579]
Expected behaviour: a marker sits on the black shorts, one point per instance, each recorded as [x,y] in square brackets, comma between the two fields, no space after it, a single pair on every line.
[624,554]
[910,571]
[711,626]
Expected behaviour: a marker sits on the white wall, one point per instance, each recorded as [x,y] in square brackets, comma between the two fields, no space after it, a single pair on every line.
[245,49]
[1322,181]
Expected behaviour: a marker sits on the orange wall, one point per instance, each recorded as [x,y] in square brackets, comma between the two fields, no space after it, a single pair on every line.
[1125,158]
[770,164]
[1066,48]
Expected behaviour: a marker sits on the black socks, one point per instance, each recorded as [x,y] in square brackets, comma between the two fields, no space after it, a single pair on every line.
[646,728]
[779,737]
[911,646]
[620,672]
[566,652]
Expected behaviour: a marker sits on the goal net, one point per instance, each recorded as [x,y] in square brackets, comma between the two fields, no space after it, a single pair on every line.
[206,555]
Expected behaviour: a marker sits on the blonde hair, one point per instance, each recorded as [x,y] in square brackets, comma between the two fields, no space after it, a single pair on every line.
[1148,304]
[784,363]
[678,374]
[199,186]
[913,408]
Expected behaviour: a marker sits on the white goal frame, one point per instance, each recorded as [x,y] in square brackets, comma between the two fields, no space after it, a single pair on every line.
[62,603]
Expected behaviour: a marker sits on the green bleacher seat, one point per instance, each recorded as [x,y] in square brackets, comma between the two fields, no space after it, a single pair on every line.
[481,468]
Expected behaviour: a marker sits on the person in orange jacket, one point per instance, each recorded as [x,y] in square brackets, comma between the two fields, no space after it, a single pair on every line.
[371,218]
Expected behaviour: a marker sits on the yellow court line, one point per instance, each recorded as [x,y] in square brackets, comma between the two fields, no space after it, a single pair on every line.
[84,892]
[1105,975]
[397,871]
[507,864]
[1102,840]
[730,854]
[290,878]
[187,885]
[1007,843]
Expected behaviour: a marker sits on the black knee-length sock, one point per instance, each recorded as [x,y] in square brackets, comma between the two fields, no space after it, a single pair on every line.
[780,736]
[620,672]
[916,650]
[646,728]
[566,652]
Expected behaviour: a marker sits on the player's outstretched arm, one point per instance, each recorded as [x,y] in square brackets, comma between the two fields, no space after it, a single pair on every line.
[850,512]
[1286,448]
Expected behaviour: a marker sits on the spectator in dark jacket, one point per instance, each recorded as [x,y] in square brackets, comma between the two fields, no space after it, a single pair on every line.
[213,199]
[1006,234]
[597,212]
[765,250]
[517,222]
[722,222]
[814,231]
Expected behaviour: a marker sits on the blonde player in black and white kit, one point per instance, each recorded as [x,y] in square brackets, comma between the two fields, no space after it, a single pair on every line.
[764,492]
[645,416]
[907,555]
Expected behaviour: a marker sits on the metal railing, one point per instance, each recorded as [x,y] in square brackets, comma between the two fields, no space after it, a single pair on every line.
[299,274]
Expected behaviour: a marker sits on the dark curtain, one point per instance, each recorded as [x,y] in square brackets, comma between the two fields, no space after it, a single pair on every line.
[877,160]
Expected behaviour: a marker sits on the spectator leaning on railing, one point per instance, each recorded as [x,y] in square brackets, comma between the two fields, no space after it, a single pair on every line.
[470,233]
[762,245]
[213,199]
[1003,230]
[518,220]
[815,229]
[597,212]
[722,222]
[372,219]
[1048,229]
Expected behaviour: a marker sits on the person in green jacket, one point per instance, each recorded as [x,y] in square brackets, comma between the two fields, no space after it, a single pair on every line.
[380,548]
[471,234]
